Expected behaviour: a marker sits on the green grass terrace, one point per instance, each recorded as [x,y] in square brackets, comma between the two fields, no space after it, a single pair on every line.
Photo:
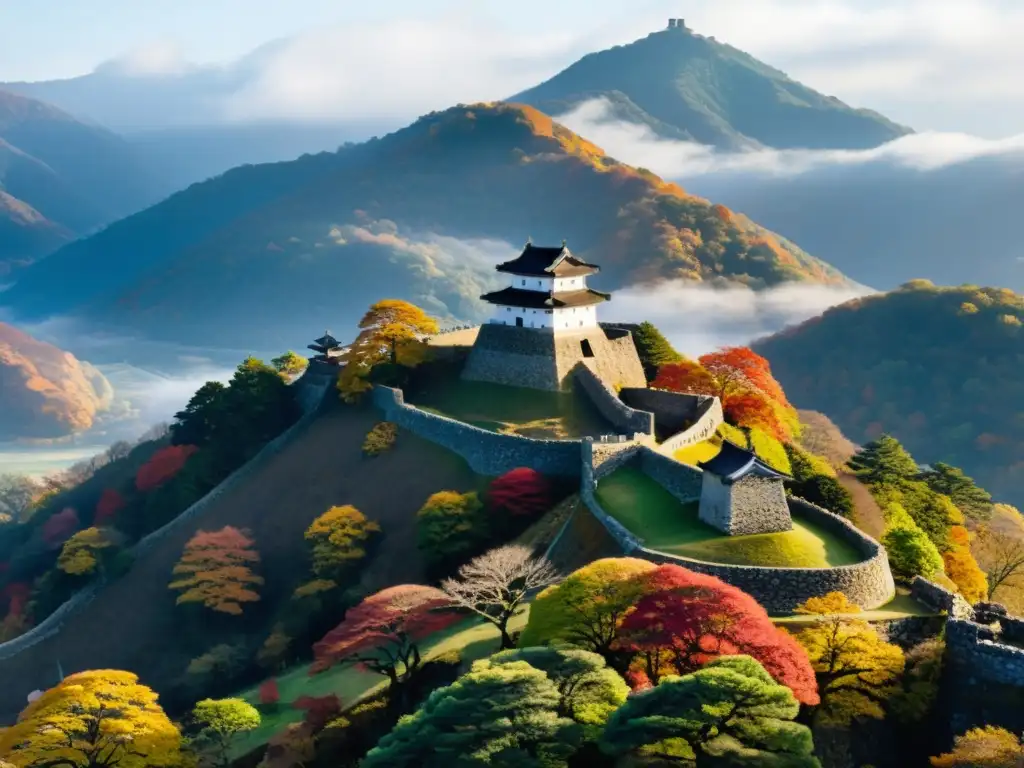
[649,511]
[511,410]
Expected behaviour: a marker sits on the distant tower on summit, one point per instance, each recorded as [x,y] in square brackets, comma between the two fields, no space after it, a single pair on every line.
[677,23]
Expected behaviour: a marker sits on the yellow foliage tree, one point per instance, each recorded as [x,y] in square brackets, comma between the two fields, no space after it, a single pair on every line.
[79,557]
[339,538]
[832,603]
[94,719]
[987,747]
[216,571]
[964,571]
[856,670]
[392,329]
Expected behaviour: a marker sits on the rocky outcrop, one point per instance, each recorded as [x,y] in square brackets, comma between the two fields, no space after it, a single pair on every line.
[44,391]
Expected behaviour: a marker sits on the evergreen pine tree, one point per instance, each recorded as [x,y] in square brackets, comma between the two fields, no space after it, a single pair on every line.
[883,462]
[654,349]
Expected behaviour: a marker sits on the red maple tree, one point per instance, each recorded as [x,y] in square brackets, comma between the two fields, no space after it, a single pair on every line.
[319,710]
[742,369]
[163,466]
[269,693]
[111,502]
[520,492]
[60,526]
[383,632]
[687,619]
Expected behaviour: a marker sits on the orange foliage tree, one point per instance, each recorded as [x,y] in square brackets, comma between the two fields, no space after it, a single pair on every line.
[384,631]
[742,379]
[162,466]
[686,619]
[111,502]
[216,571]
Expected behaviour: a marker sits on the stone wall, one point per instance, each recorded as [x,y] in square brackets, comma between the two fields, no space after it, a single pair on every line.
[681,480]
[311,389]
[986,678]
[628,420]
[940,599]
[868,583]
[758,506]
[487,453]
[542,359]
[708,421]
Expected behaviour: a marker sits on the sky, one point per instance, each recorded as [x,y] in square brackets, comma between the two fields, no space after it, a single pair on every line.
[946,65]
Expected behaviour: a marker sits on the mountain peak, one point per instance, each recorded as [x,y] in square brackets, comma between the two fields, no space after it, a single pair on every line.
[686,86]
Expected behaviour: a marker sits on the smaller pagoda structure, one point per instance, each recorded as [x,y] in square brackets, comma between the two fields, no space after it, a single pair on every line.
[741,495]
[328,350]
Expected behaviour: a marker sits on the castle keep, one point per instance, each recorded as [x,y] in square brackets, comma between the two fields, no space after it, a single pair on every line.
[741,495]
[544,326]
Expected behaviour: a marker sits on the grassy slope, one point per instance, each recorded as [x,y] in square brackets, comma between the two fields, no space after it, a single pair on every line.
[643,506]
[128,626]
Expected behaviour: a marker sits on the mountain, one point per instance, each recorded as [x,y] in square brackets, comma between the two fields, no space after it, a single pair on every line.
[686,86]
[45,392]
[884,223]
[61,177]
[424,213]
[938,368]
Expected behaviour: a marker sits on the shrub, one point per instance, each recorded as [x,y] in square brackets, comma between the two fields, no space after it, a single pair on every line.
[379,439]
[911,552]
[451,527]
[269,693]
[520,493]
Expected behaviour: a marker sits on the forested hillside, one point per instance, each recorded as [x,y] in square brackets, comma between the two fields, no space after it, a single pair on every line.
[939,368]
[328,232]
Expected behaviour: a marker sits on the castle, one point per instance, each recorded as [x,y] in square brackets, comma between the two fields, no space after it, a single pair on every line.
[544,327]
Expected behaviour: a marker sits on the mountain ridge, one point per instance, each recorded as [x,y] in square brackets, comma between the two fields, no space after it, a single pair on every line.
[491,171]
[711,93]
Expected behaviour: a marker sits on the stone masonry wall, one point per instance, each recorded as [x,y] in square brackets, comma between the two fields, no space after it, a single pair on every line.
[681,480]
[540,359]
[710,419]
[939,598]
[759,506]
[311,389]
[868,583]
[985,678]
[679,419]
[616,412]
[487,453]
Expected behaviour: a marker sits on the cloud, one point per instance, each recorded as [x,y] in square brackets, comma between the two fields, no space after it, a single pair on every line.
[698,319]
[637,145]
[157,59]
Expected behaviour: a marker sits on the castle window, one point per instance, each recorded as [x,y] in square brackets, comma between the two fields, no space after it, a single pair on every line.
[585,347]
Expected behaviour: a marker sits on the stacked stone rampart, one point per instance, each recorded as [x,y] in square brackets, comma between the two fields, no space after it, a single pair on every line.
[868,583]
[680,419]
[487,453]
[615,411]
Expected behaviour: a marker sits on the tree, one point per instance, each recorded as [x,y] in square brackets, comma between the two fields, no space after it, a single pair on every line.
[196,424]
[855,669]
[82,554]
[275,648]
[654,349]
[340,538]
[986,747]
[964,571]
[911,553]
[318,710]
[589,690]
[390,331]
[163,466]
[59,527]
[884,462]
[494,585]
[219,721]
[497,714]
[111,502]
[522,492]
[269,693]
[353,381]
[293,747]
[18,494]
[831,604]
[585,609]
[289,365]
[741,369]
[384,631]
[815,481]
[730,710]
[451,526]
[223,661]
[95,719]
[919,686]
[686,619]
[973,501]
[216,571]
[1001,555]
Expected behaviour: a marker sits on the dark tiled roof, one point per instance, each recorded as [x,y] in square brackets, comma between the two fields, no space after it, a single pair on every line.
[325,342]
[517,297]
[733,462]
[547,262]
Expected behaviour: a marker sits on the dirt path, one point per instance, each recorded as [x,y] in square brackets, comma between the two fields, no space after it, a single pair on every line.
[131,623]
